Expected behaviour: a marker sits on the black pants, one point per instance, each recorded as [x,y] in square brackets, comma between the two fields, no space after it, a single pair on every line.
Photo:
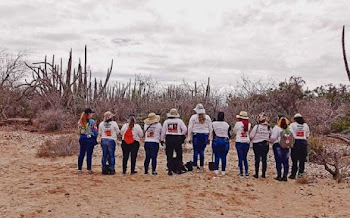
[260,151]
[130,150]
[299,154]
[173,143]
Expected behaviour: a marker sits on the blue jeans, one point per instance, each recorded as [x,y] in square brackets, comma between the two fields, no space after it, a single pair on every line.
[86,146]
[281,158]
[108,149]
[151,149]
[242,152]
[220,147]
[200,141]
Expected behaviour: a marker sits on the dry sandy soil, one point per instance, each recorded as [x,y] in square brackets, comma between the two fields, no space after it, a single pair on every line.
[44,187]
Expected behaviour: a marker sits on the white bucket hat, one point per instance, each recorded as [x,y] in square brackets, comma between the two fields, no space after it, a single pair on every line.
[297,115]
[199,109]
[108,115]
[173,113]
[152,118]
[243,115]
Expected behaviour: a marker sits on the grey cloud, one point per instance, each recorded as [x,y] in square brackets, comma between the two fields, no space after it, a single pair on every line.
[124,42]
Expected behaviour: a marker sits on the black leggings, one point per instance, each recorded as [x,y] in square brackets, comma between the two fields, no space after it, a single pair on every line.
[173,143]
[299,154]
[260,151]
[130,150]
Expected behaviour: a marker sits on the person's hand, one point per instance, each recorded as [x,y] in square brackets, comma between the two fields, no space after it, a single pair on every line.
[162,143]
[208,143]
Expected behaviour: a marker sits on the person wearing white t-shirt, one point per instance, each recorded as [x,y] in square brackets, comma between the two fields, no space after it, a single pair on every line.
[108,131]
[221,142]
[260,136]
[174,133]
[200,130]
[153,132]
[131,135]
[301,133]
[281,154]
[241,130]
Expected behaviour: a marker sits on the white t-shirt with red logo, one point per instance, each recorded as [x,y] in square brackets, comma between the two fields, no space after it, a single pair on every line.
[153,132]
[173,126]
[241,135]
[300,131]
[108,130]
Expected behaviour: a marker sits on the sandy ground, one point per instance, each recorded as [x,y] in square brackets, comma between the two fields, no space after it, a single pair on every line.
[44,187]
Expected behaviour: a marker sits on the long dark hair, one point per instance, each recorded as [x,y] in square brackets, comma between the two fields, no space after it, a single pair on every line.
[221,116]
[284,124]
[299,120]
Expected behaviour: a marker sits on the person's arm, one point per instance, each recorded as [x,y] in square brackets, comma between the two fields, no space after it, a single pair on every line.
[183,128]
[123,130]
[100,129]
[190,127]
[164,128]
[253,132]
[210,129]
[307,131]
[274,135]
[117,130]
[229,131]
[140,132]
[235,129]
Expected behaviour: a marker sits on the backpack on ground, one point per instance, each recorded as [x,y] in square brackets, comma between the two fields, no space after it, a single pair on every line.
[287,139]
[189,166]
[128,136]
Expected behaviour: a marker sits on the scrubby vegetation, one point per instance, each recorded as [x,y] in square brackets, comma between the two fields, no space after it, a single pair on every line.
[65,146]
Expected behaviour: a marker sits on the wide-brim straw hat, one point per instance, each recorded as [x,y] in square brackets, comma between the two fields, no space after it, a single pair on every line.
[243,115]
[199,109]
[173,113]
[152,118]
[108,115]
[298,115]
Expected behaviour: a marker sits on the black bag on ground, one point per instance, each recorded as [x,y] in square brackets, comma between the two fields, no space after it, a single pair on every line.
[212,163]
[177,166]
[189,166]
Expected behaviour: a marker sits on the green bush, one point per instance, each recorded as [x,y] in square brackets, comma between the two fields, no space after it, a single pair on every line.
[341,125]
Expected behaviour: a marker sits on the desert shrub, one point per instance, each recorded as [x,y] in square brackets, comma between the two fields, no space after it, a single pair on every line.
[65,146]
[316,147]
[53,120]
[306,179]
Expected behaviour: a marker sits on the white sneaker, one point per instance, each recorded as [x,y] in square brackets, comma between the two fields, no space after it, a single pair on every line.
[216,172]
[223,173]
[79,171]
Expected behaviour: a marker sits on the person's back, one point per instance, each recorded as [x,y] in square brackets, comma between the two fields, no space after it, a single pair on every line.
[221,129]
[153,132]
[300,131]
[260,132]
[109,130]
[242,135]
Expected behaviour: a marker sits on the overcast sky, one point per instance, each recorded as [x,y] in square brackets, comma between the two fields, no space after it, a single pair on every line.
[183,39]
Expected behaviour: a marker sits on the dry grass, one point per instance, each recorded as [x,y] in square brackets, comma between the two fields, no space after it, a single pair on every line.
[65,146]
[306,179]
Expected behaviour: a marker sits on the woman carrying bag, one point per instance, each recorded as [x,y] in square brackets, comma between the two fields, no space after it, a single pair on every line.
[279,132]
[132,134]
[87,139]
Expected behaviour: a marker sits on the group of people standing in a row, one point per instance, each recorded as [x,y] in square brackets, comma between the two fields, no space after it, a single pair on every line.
[200,131]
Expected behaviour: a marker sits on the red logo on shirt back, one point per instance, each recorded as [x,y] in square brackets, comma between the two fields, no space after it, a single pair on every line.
[108,133]
[300,134]
[172,127]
